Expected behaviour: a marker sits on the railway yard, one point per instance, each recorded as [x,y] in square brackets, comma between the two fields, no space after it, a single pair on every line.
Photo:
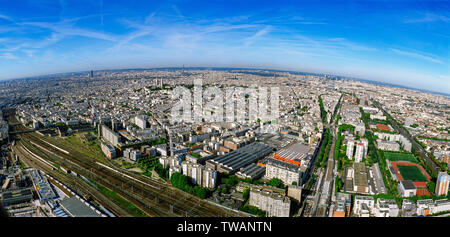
[133,195]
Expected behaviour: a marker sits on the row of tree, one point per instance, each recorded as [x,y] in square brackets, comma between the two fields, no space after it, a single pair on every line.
[338,143]
[148,163]
[323,113]
[182,182]
[323,154]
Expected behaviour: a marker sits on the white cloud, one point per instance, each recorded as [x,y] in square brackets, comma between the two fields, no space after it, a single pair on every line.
[4,17]
[418,56]
[8,55]
[429,17]
[250,40]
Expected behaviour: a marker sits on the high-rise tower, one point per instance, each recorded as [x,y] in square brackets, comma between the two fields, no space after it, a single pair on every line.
[442,183]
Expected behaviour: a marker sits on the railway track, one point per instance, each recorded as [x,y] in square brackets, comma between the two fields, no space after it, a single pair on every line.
[98,175]
[157,198]
[69,180]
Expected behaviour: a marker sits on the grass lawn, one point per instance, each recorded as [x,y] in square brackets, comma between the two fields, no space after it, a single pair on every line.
[123,163]
[411,173]
[78,141]
[393,156]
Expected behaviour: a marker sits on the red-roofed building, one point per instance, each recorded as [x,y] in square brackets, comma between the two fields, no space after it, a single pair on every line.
[422,192]
[383,127]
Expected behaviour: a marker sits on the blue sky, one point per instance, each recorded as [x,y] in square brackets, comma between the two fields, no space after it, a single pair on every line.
[401,42]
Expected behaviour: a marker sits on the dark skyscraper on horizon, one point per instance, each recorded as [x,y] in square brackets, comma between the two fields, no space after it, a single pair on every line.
[92,74]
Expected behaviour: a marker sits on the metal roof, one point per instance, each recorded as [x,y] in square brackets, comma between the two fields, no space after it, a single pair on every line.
[76,208]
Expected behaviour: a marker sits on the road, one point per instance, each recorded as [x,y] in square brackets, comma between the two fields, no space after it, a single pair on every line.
[327,183]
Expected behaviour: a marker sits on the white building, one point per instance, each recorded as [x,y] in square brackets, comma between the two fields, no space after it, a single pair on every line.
[387,145]
[363,206]
[379,116]
[132,154]
[360,152]
[442,183]
[350,147]
[360,129]
[109,135]
[275,204]
[386,208]
[135,155]
[428,207]
[406,188]
[161,150]
[442,205]
[286,172]
[199,174]
[424,207]
[391,138]
[141,121]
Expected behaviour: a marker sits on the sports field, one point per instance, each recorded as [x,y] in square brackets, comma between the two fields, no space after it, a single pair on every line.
[393,156]
[412,173]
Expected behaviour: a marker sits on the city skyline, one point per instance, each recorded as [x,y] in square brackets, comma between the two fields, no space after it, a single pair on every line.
[404,43]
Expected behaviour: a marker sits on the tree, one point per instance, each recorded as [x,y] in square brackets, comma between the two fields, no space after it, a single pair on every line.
[276,183]
[179,181]
[246,193]
[200,192]
[431,187]
[253,210]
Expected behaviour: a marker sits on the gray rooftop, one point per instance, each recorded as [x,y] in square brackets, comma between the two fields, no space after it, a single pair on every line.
[294,152]
[408,184]
[243,156]
[77,209]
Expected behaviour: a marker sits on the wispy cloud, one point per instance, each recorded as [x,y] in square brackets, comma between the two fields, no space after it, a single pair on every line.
[170,32]
[175,8]
[5,17]
[8,56]
[250,40]
[63,29]
[418,56]
[149,18]
[342,42]
[429,17]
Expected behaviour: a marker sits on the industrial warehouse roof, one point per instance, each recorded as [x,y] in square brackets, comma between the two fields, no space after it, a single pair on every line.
[276,141]
[42,186]
[243,156]
[17,193]
[76,208]
[360,175]
[294,152]
[278,163]
[252,170]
